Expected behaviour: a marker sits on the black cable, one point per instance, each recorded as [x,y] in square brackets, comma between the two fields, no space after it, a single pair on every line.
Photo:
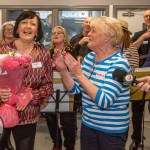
[134,92]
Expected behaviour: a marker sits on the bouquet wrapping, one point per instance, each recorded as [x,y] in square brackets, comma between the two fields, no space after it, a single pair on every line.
[13,68]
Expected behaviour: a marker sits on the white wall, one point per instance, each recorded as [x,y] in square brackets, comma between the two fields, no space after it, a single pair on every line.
[135,22]
[0,17]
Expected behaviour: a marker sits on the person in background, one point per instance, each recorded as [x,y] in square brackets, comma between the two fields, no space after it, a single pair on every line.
[27,32]
[80,49]
[7,39]
[7,33]
[128,49]
[80,41]
[60,42]
[105,116]
[141,40]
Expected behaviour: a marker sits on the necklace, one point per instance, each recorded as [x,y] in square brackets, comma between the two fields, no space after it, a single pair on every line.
[28,51]
[62,49]
[24,48]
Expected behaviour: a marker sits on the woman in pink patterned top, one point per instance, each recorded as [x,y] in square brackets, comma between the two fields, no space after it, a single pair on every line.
[28,31]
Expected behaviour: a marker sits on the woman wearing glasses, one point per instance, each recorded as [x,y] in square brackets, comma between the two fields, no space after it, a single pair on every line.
[7,33]
[60,43]
[105,116]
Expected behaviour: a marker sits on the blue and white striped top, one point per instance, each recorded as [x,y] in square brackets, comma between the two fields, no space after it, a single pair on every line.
[108,112]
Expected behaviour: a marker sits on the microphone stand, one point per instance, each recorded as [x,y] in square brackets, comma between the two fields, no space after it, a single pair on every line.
[142,134]
[57,116]
[57,100]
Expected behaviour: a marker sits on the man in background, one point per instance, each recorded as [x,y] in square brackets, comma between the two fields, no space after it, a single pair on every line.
[141,40]
[80,41]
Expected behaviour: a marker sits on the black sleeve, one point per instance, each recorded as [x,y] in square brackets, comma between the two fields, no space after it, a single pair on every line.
[136,36]
[74,42]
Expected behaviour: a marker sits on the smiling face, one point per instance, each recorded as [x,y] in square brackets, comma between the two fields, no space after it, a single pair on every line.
[97,38]
[105,32]
[86,24]
[27,29]
[147,17]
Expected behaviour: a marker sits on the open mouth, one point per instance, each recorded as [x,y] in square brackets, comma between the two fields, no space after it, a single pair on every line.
[27,32]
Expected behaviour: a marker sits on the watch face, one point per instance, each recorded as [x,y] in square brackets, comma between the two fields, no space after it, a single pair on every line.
[1,128]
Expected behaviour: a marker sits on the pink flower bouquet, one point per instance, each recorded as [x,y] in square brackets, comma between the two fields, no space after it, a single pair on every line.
[13,68]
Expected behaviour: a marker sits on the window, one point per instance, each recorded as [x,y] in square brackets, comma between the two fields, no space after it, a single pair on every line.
[72,20]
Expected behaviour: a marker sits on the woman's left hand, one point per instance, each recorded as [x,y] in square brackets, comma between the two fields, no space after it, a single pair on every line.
[5,94]
[58,60]
[73,65]
[20,108]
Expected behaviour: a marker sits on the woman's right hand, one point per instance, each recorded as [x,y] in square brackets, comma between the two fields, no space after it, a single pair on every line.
[58,60]
[5,94]
[144,83]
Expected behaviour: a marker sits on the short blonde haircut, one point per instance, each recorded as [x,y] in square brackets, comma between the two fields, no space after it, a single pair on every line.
[110,27]
[66,39]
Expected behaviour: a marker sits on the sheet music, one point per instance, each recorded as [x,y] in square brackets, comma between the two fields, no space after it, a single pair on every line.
[144,69]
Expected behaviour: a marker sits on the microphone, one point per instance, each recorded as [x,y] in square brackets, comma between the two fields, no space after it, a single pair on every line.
[123,77]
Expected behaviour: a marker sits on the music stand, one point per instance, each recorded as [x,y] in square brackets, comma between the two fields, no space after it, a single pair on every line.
[57,100]
[60,101]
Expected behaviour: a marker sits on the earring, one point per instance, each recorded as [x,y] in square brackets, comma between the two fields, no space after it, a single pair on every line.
[35,37]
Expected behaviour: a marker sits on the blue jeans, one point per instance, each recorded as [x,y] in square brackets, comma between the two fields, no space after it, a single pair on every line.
[92,139]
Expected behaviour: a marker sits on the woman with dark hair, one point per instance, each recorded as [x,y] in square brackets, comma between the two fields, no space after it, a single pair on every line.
[28,32]
[29,15]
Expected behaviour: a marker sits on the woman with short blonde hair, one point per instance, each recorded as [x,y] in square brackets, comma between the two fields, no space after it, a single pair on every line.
[105,116]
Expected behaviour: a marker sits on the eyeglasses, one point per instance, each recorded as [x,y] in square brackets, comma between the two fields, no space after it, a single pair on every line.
[147,16]
[8,30]
[58,33]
